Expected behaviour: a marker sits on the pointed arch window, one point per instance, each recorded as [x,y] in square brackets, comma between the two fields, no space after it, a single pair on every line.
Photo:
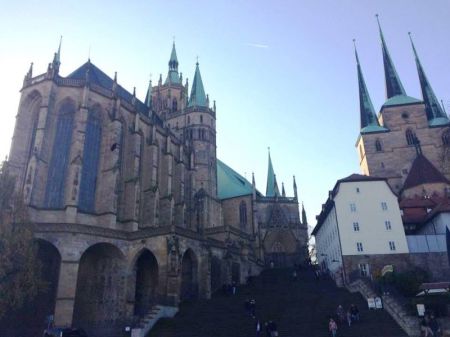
[243,214]
[54,194]
[410,137]
[91,155]
[446,138]
[174,105]
[378,146]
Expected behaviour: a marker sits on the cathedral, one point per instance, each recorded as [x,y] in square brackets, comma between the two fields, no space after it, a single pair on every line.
[408,142]
[130,205]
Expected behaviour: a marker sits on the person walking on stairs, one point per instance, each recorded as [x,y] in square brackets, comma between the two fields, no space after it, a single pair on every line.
[332,327]
[258,328]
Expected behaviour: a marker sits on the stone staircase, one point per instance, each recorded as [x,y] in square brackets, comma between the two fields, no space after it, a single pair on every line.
[300,308]
[149,320]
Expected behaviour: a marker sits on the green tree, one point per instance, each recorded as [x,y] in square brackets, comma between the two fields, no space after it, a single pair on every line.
[19,266]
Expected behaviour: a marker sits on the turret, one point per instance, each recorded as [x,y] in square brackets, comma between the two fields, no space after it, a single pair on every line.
[295,189]
[172,76]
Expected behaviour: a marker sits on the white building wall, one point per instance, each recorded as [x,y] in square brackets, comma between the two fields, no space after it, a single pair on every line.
[437,225]
[327,243]
[367,198]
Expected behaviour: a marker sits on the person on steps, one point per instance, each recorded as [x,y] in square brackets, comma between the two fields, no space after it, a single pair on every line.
[434,326]
[354,312]
[258,328]
[340,313]
[332,327]
[425,326]
[349,318]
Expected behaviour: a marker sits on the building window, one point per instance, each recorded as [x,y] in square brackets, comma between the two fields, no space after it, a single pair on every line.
[391,245]
[174,105]
[364,269]
[410,137]
[56,179]
[384,206]
[243,214]
[189,119]
[91,155]
[352,207]
[387,223]
[359,247]
[378,146]
[357,190]
[356,226]
[201,119]
[446,138]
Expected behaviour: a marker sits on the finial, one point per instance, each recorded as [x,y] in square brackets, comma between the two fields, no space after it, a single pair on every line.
[197,61]
[134,91]
[89,53]
[268,149]
[115,76]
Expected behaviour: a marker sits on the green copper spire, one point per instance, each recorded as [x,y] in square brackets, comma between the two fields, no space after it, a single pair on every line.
[172,76]
[272,186]
[369,121]
[148,97]
[198,97]
[394,86]
[434,111]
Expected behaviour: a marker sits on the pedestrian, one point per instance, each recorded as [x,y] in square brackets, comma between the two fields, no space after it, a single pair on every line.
[273,329]
[434,326]
[233,288]
[425,326]
[258,328]
[340,313]
[354,312]
[332,327]
[349,318]
[272,264]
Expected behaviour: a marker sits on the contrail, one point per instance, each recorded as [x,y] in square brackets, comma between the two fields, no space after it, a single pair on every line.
[257,45]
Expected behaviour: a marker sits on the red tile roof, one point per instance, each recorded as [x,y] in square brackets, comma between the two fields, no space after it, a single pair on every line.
[423,172]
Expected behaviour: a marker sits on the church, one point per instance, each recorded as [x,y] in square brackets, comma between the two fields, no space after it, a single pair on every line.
[130,205]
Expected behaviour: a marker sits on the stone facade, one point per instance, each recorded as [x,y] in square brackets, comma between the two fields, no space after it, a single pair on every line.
[124,195]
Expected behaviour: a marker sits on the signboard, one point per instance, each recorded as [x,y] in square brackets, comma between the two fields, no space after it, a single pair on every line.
[378,303]
[371,303]
[420,310]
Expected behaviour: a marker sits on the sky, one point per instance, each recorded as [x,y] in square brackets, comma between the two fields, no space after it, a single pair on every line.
[282,72]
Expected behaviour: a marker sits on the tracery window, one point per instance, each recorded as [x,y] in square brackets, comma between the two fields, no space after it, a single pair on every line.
[243,213]
[91,155]
[378,146]
[54,194]
[410,137]
[174,105]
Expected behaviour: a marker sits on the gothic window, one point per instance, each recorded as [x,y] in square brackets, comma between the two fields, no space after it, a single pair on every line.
[54,194]
[410,137]
[188,119]
[201,119]
[243,214]
[91,155]
[174,105]
[446,138]
[378,146]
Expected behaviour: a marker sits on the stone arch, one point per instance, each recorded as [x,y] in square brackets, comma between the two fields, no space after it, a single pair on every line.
[100,295]
[189,277]
[216,273]
[145,272]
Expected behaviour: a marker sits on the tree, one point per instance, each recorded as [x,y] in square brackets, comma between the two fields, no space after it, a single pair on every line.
[19,266]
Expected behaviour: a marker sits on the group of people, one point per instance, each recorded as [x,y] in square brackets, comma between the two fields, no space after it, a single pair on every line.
[229,289]
[270,327]
[430,326]
[350,316]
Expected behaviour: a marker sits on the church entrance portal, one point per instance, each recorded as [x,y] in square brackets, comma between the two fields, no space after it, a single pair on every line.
[189,286]
[146,269]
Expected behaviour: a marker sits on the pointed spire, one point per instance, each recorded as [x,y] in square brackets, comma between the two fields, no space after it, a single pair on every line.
[253,186]
[283,192]
[172,76]
[304,219]
[367,112]
[198,97]
[272,186]
[295,190]
[394,86]
[148,97]
[432,107]
[57,58]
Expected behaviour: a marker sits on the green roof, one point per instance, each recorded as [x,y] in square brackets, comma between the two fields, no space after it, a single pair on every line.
[439,121]
[373,129]
[231,184]
[401,100]
[198,97]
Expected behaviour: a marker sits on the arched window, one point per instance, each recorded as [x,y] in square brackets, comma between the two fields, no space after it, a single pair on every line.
[243,214]
[91,155]
[174,105]
[378,146]
[410,137]
[54,194]
[201,119]
[446,138]
[188,119]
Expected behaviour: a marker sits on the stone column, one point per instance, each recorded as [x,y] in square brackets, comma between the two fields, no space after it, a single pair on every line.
[65,298]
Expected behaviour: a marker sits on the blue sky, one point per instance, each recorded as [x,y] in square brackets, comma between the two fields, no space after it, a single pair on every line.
[282,72]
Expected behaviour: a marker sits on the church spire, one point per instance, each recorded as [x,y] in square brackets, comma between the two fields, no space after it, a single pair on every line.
[295,189]
[304,219]
[272,186]
[57,58]
[394,86]
[434,111]
[367,112]
[148,97]
[172,76]
[198,97]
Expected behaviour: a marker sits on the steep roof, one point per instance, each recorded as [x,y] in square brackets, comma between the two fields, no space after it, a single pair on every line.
[198,96]
[231,184]
[358,177]
[401,100]
[98,77]
[271,186]
[423,172]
